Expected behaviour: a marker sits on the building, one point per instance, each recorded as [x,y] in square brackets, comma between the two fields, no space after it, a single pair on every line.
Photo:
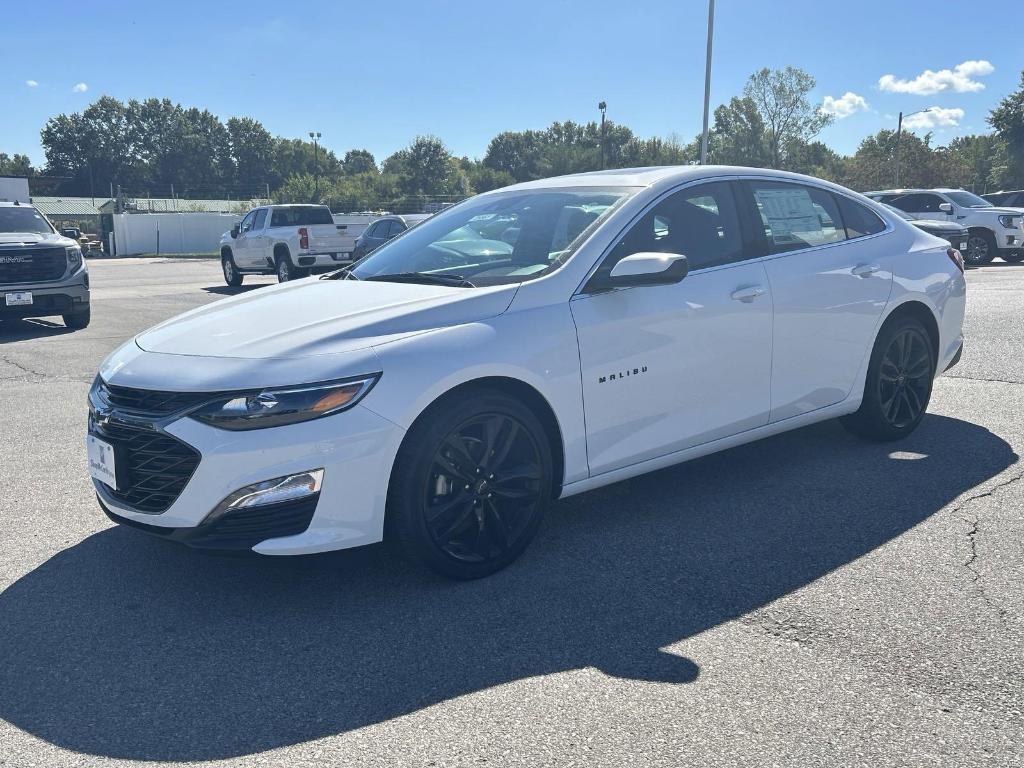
[80,212]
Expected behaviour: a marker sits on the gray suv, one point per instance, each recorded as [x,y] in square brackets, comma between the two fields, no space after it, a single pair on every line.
[42,272]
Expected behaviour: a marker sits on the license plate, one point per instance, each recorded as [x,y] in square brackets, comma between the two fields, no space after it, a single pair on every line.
[101,461]
[19,298]
[963,245]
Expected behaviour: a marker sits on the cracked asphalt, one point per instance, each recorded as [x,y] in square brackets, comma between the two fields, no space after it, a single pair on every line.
[809,600]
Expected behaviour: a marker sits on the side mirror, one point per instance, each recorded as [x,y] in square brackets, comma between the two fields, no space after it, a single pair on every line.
[234,232]
[649,269]
[946,207]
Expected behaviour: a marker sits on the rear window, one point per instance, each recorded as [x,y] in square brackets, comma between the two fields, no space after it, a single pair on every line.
[859,220]
[301,216]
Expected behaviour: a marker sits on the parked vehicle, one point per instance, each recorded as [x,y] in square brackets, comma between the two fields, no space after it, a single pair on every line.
[383,229]
[947,230]
[90,244]
[351,226]
[42,273]
[290,241]
[530,343]
[1012,199]
[992,231]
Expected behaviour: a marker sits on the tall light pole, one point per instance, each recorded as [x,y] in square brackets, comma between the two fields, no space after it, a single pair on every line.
[707,83]
[315,136]
[602,106]
[899,135]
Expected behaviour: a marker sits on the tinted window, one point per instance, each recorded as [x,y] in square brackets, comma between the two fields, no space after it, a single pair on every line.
[968,199]
[699,222]
[261,218]
[795,216]
[396,228]
[917,203]
[859,220]
[301,216]
[378,229]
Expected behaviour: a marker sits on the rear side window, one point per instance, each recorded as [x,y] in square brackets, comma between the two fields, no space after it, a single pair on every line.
[301,216]
[917,202]
[700,222]
[859,220]
[795,216]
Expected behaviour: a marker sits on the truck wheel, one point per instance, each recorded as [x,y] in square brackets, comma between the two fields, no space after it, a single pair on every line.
[77,320]
[285,272]
[231,274]
[981,248]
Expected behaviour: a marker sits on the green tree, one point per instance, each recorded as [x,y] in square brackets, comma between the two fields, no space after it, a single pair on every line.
[1008,121]
[426,167]
[252,153]
[781,98]
[15,165]
[738,135]
[358,161]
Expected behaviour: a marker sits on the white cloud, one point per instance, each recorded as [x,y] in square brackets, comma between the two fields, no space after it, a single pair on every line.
[959,79]
[936,117]
[31,83]
[845,105]
[80,88]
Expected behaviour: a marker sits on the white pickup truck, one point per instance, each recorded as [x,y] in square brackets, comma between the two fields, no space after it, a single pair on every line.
[290,241]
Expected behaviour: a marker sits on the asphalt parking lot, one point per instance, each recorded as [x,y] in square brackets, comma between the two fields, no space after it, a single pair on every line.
[808,600]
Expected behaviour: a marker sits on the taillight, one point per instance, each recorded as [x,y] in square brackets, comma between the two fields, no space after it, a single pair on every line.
[956,258]
[303,238]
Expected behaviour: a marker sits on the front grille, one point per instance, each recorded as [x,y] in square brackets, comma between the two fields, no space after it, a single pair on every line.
[31,265]
[153,402]
[153,467]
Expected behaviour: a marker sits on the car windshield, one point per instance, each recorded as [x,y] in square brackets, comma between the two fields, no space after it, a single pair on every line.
[23,218]
[968,200]
[898,212]
[493,239]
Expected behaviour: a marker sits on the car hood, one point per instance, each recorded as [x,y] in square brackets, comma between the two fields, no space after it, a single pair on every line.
[35,238]
[321,317]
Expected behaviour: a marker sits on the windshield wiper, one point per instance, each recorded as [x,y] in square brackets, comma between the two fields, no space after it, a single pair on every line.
[345,273]
[429,278]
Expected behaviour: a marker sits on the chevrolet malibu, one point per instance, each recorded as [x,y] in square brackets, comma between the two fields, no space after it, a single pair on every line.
[528,344]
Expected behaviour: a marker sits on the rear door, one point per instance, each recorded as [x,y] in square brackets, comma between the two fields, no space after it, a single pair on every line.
[829,280]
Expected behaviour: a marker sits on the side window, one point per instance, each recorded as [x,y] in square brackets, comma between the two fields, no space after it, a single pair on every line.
[700,222]
[261,218]
[247,221]
[396,228]
[379,229]
[859,219]
[277,218]
[918,203]
[795,216]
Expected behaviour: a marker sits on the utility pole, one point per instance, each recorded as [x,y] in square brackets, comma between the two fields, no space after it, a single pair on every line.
[602,106]
[707,83]
[315,136]
[899,135]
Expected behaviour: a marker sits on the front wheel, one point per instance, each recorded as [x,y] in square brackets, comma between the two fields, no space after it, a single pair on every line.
[231,274]
[76,321]
[470,485]
[981,248]
[899,383]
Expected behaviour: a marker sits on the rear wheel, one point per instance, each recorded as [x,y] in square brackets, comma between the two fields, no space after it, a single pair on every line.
[981,248]
[77,320]
[899,382]
[231,274]
[470,485]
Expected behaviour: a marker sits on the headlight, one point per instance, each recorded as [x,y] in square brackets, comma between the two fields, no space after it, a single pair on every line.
[1010,222]
[74,257]
[277,407]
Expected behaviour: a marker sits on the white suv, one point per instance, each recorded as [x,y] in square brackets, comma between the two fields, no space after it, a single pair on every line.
[992,231]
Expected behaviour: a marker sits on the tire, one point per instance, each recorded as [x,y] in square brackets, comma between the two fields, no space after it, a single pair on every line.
[76,321]
[898,384]
[1014,257]
[231,274]
[286,271]
[981,248]
[459,509]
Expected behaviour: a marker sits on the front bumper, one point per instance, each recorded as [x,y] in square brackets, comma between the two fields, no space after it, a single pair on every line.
[1010,240]
[69,295]
[356,449]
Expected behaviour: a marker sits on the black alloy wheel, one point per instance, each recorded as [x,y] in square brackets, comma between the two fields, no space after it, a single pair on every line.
[470,485]
[981,249]
[483,489]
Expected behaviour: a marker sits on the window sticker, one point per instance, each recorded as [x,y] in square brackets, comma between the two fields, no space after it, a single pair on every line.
[790,215]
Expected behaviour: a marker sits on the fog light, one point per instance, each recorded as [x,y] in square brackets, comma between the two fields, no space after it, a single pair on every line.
[280,489]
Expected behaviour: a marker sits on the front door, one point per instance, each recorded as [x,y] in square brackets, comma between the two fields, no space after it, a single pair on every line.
[669,367]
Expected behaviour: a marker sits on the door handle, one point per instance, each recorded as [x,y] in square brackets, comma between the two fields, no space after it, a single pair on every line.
[865,270]
[749,293]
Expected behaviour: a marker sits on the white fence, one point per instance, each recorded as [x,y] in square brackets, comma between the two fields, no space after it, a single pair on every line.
[170,233]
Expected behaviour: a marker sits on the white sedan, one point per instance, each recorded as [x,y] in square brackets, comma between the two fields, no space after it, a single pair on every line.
[525,345]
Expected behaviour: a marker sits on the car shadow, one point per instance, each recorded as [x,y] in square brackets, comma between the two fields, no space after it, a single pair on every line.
[35,328]
[227,290]
[130,647]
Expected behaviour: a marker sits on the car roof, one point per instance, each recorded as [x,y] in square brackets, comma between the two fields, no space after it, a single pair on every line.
[657,175]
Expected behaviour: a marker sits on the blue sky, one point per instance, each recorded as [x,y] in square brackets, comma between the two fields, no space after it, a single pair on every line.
[375,75]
